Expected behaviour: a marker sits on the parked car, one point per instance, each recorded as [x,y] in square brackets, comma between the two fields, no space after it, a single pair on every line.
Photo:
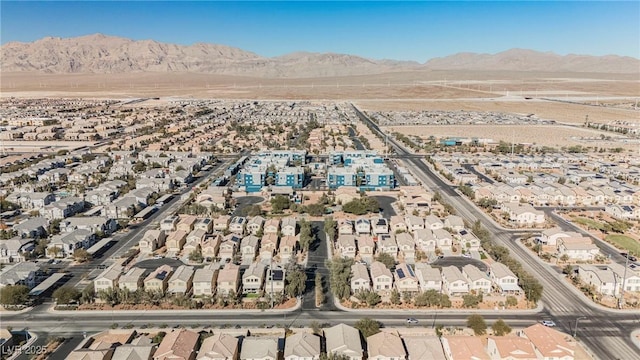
[548,323]
[412,321]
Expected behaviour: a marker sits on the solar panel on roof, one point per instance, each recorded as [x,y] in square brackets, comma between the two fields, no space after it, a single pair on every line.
[400,273]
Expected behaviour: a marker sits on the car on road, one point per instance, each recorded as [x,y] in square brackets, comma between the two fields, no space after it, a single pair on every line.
[548,323]
[412,321]
[466,255]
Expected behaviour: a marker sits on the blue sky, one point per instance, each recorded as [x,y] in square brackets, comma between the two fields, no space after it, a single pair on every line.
[392,30]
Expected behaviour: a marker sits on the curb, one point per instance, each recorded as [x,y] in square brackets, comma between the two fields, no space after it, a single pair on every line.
[536,310]
[298,305]
[32,339]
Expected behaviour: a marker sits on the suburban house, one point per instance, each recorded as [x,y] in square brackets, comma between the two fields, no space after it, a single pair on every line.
[271,226]
[454,222]
[268,246]
[63,245]
[444,239]
[510,347]
[380,226]
[302,346]
[254,225]
[579,248]
[205,224]
[210,246]
[363,226]
[551,236]
[259,348]
[462,347]
[95,224]
[108,279]
[366,248]
[429,278]
[344,340]
[221,223]
[196,236]
[175,241]
[397,224]
[406,246]
[33,227]
[158,280]
[237,225]
[405,279]
[433,222]
[288,246]
[219,346]
[181,281]
[249,247]
[424,240]
[548,343]
[385,345]
[228,279]
[186,223]
[423,347]
[169,223]
[288,226]
[387,244]
[346,246]
[504,279]
[478,280]
[132,280]
[152,240]
[204,281]
[523,214]
[453,282]
[275,280]
[413,223]
[345,227]
[14,250]
[360,279]
[381,277]
[227,250]
[22,273]
[253,278]
[179,344]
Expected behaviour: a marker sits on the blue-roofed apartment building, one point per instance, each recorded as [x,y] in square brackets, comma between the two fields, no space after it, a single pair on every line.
[363,169]
[273,168]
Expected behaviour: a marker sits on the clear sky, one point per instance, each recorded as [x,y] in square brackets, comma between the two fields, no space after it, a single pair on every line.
[380,30]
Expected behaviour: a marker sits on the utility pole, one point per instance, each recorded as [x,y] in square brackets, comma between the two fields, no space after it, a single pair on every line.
[575,328]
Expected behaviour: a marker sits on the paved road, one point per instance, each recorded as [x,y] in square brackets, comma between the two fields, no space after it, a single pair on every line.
[385,204]
[472,168]
[318,253]
[608,338]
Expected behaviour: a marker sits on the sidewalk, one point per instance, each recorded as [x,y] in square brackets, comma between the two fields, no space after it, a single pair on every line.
[298,305]
[536,310]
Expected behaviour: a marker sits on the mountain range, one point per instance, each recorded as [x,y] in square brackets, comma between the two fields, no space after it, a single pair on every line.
[99,53]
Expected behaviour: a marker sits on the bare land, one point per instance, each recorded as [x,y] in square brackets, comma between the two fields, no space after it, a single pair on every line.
[570,93]
[541,135]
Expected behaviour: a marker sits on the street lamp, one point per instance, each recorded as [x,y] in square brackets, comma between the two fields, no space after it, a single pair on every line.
[575,328]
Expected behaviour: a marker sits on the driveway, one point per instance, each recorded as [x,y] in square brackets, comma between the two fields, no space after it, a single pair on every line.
[244,201]
[385,205]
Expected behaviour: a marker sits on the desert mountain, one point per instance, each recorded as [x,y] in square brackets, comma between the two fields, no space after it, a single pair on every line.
[108,54]
[529,60]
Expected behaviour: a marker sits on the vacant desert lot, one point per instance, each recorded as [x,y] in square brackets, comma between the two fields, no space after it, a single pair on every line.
[541,135]
[417,90]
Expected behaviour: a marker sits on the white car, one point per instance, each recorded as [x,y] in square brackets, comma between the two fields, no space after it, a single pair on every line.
[412,321]
[548,323]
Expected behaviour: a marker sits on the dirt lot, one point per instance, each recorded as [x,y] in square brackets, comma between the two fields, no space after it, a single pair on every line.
[542,135]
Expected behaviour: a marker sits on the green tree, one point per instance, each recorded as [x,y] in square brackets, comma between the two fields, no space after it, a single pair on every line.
[330,228]
[340,277]
[511,301]
[306,234]
[66,295]
[296,281]
[279,203]
[81,255]
[387,260]
[477,324]
[471,301]
[196,256]
[367,326]
[88,294]
[369,297]
[319,288]
[500,328]
[14,294]
[395,297]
